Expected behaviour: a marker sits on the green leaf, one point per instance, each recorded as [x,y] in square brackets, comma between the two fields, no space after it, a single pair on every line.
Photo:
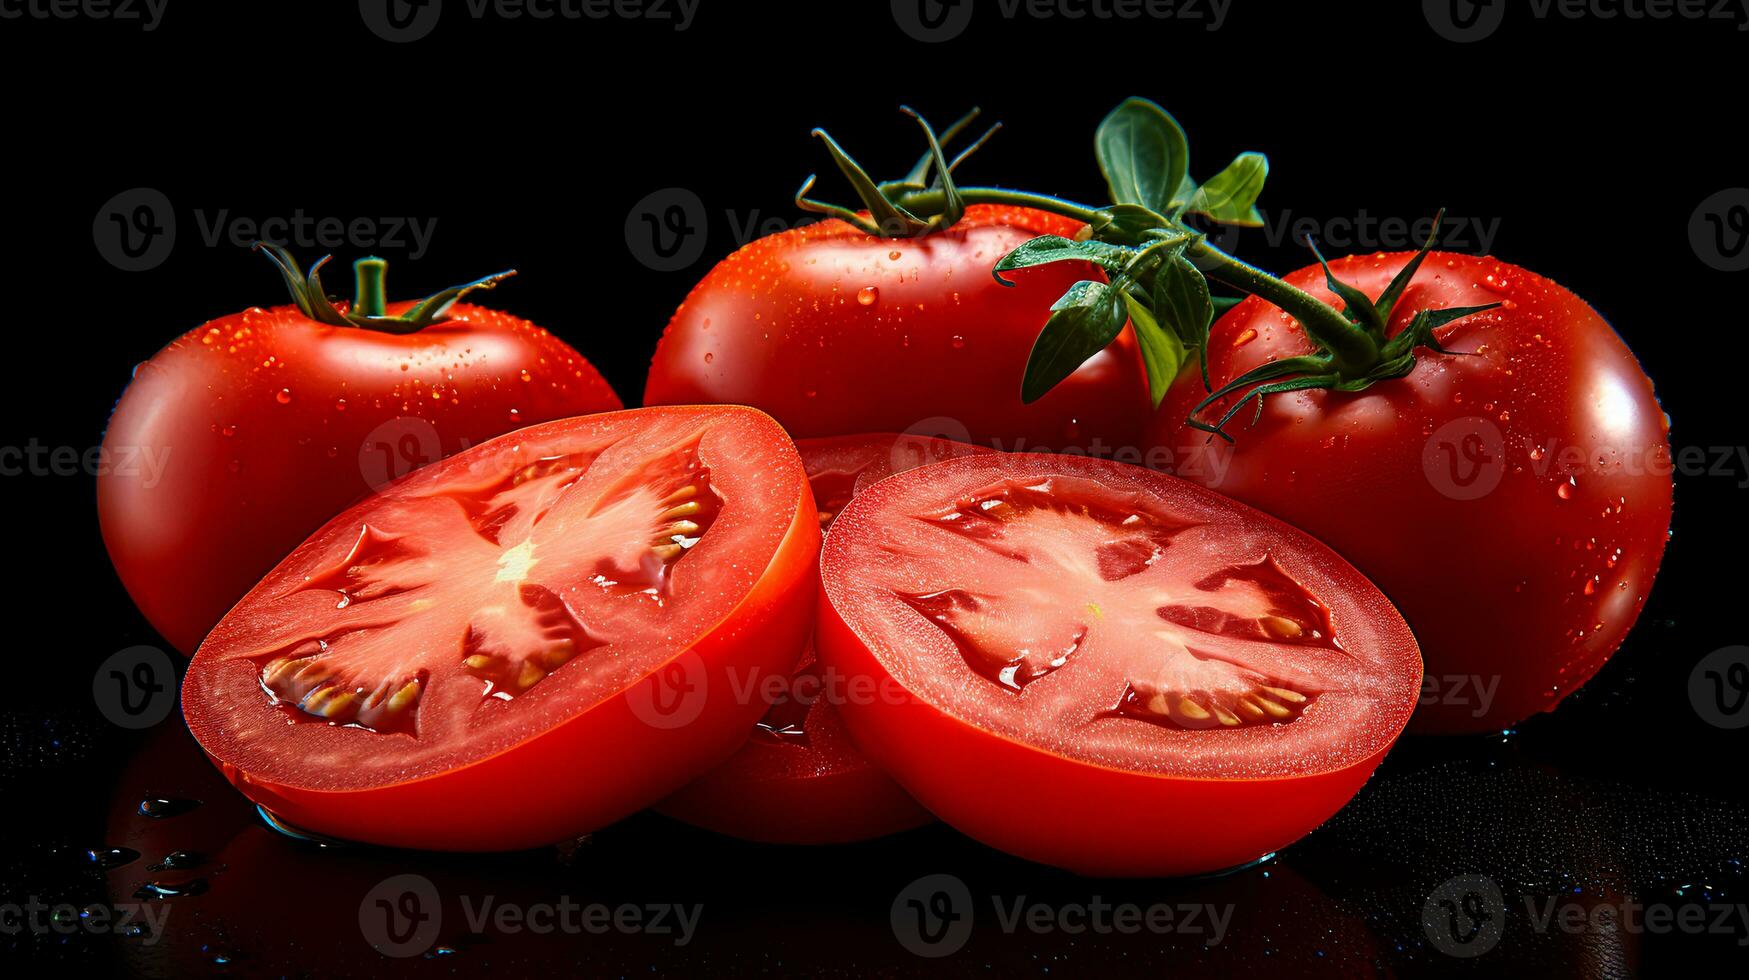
[1086,319]
[1053,248]
[1181,299]
[1185,193]
[1128,223]
[1143,154]
[1162,351]
[1229,196]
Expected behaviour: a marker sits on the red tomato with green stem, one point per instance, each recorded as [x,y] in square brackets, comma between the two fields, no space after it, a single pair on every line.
[1511,492]
[521,643]
[1100,667]
[800,779]
[854,325]
[245,434]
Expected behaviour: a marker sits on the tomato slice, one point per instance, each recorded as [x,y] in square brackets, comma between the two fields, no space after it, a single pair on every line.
[519,644]
[1107,669]
[800,779]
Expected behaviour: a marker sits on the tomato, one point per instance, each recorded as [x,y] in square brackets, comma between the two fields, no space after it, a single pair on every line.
[800,779]
[835,331]
[1096,666]
[243,435]
[523,642]
[1513,499]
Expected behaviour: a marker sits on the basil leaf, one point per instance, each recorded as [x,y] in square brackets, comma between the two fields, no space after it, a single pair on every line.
[1162,351]
[1052,248]
[1143,154]
[1229,196]
[1086,319]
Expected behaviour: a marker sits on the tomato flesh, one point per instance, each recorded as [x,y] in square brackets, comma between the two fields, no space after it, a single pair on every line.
[458,661]
[800,779]
[1105,668]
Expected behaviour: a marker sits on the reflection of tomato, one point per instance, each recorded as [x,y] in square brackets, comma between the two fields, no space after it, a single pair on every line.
[800,779]
[1095,666]
[1518,592]
[243,435]
[521,643]
[834,331]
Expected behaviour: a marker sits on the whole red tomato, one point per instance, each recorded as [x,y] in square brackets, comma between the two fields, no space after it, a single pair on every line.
[1512,497]
[245,434]
[836,331]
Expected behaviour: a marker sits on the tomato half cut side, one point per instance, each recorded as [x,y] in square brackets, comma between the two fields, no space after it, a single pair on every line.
[521,643]
[800,779]
[1103,668]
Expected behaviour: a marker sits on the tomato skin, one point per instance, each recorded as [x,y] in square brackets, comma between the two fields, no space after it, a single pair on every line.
[602,764]
[261,419]
[1527,589]
[1101,817]
[833,331]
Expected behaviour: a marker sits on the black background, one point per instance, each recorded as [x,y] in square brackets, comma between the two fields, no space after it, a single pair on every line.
[530,142]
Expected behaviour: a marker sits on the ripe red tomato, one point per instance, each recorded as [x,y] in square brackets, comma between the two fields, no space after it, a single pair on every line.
[1513,500]
[800,779]
[243,435]
[523,642]
[835,331]
[1100,667]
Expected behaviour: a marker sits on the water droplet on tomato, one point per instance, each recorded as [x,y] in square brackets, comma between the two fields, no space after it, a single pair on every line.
[284,396]
[867,295]
[894,254]
[526,376]
[1247,336]
[959,343]
[339,404]
[1565,490]
[709,357]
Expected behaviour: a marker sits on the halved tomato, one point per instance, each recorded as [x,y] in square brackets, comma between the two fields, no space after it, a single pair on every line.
[800,779]
[1103,668]
[523,642]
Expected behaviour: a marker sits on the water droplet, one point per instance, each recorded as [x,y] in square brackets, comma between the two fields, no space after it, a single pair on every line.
[339,404]
[959,343]
[894,254]
[526,376]
[709,357]
[867,295]
[515,417]
[284,396]
[1247,336]
[1565,490]
[112,857]
[159,807]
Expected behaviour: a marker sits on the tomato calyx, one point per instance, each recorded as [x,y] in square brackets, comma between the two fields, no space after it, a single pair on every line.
[887,212]
[1395,356]
[370,304]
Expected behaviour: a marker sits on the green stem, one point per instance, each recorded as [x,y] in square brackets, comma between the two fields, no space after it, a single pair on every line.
[371,297]
[1353,353]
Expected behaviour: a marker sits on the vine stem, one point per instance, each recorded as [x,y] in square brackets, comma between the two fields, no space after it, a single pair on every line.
[1353,352]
